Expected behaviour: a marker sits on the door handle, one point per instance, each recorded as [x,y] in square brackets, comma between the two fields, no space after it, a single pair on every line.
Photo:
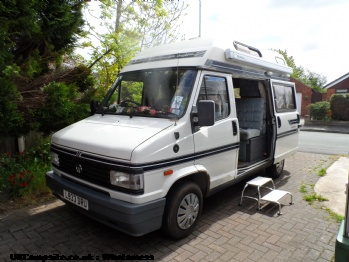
[279,122]
[235,128]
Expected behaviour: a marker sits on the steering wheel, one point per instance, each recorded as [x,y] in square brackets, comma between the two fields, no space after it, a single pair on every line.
[125,103]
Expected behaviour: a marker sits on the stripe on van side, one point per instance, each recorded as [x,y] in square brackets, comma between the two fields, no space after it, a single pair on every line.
[103,161]
[187,158]
[287,133]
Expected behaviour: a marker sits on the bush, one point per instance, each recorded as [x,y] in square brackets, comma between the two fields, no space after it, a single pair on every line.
[319,110]
[59,109]
[340,107]
[24,174]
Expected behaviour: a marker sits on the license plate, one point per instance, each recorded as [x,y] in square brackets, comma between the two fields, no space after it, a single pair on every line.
[79,201]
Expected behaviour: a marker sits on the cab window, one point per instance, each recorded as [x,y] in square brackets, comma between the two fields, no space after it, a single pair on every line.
[215,88]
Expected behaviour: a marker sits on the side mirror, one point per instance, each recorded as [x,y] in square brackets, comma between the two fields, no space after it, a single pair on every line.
[93,107]
[206,113]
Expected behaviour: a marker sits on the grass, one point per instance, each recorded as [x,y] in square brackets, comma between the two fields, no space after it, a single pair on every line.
[322,162]
[303,188]
[322,172]
[334,215]
[311,198]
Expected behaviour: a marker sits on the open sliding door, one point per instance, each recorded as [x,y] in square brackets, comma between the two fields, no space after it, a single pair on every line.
[286,118]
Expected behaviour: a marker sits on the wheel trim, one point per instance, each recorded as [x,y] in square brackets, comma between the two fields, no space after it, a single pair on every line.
[188,211]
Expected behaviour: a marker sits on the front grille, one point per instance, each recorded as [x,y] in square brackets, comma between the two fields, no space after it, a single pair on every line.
[93,172]
[93,169]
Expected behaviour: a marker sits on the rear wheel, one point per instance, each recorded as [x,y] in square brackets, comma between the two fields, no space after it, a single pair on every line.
[276,170]
[183,209]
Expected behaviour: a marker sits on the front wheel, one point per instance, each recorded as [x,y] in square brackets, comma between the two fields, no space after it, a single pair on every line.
[183,209]
[276,170]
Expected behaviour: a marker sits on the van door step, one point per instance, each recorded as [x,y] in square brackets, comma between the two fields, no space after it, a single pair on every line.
[272,197]
[275,195]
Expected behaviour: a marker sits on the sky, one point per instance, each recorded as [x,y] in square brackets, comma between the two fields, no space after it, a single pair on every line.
[314,32]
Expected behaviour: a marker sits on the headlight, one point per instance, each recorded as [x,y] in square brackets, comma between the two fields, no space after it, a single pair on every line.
[125,180]
[54,158]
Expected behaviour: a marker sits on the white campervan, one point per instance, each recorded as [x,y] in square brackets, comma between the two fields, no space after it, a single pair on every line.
[181,122]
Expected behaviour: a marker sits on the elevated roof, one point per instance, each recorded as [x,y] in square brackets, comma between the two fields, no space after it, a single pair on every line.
[207,52]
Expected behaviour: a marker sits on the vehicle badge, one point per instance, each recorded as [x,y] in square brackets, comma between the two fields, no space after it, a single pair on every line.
[78,168]
[78,154]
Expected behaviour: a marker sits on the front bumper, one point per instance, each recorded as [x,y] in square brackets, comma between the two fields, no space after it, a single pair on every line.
[132,219]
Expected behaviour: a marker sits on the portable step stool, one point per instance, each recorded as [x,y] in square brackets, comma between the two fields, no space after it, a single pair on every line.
[272,197]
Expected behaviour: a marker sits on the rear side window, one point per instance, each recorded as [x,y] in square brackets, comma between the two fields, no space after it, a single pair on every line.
[284,98]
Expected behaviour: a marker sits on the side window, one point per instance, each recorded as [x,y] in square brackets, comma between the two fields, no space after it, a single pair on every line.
[284,98]
[215,88]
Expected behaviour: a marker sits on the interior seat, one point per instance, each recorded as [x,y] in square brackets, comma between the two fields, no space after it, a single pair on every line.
[251,114]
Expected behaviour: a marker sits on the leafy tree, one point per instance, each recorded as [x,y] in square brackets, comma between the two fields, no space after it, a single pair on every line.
[34,36]
[314,80]
[37,33]
[130,25]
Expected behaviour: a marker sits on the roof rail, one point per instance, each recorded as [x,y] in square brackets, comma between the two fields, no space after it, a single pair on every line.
[239,46]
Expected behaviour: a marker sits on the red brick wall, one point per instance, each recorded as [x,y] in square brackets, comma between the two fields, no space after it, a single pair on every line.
[332,90]
[327,96]
[306,95]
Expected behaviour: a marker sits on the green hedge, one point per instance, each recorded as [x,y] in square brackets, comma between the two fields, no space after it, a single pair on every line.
[319,110]
[339,105]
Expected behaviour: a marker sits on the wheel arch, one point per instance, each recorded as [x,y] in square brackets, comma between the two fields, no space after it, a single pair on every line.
[200,178]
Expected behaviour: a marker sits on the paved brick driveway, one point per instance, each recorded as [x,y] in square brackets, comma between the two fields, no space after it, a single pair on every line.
[226,232]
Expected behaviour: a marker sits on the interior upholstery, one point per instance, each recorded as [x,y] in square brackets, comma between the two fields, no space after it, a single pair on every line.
[251,114]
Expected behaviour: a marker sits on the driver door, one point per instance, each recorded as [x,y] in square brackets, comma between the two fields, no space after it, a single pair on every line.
[217,146]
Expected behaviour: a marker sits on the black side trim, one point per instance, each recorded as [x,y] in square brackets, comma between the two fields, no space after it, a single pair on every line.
[287,133]
[139,168]
[187,158]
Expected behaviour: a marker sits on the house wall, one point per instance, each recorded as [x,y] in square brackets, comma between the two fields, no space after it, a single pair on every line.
[327,96]
[306,96]
[344,84]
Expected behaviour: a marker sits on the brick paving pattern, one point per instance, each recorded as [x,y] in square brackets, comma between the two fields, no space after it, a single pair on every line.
[226,231]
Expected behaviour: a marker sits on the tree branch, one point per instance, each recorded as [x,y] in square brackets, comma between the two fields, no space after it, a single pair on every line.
[99,58]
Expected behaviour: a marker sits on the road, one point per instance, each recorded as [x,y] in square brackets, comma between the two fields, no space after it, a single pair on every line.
[323,143]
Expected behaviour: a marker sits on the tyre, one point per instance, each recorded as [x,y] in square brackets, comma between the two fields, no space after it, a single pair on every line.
[276,170]
[183,210]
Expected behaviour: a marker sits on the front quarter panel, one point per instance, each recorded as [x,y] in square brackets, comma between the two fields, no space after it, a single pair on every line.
[171,149]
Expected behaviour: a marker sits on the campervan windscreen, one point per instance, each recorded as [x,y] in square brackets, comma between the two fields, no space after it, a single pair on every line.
[160,93]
